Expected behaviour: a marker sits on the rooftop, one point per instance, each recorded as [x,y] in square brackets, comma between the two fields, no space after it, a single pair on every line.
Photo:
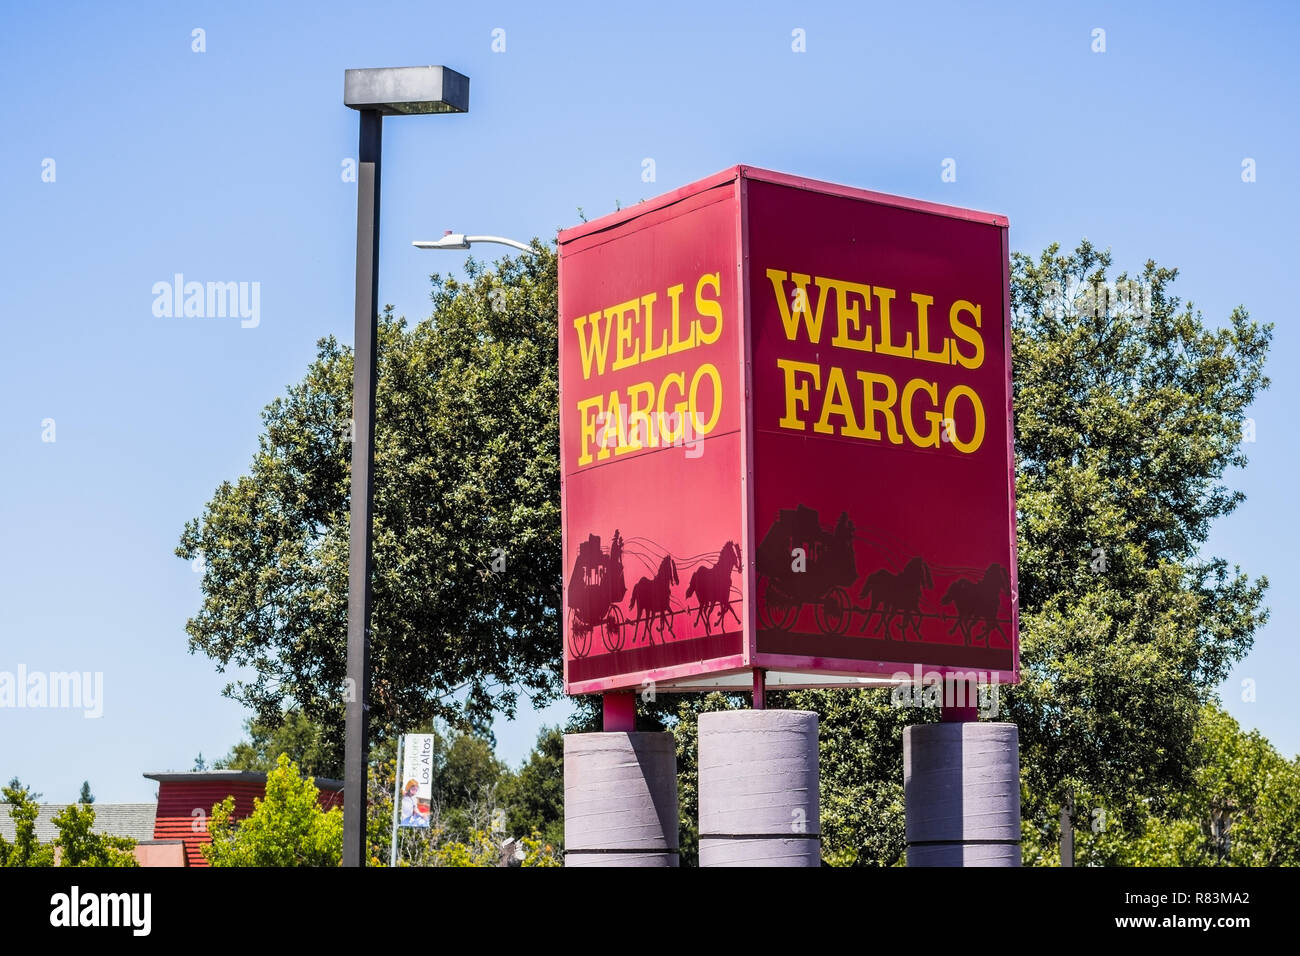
[229,776]
[134,820]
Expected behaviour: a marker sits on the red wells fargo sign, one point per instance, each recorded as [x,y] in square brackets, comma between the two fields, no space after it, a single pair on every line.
[785,417]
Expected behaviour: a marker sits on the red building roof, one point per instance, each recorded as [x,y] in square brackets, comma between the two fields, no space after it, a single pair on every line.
[185,801]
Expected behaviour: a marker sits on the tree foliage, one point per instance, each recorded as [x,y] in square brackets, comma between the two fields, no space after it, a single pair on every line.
[1129,410]
[26,849]
[482,813]
[466,520]
[295,736]
[76,843]
[287,827]
[79,845]
[534,795]
[1242,809]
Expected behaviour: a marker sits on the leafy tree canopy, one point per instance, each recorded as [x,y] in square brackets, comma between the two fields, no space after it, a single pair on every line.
[534,795]
[76,843]
[1242,809]
[295,736]
[1129,409]
[286,828]
[466,522]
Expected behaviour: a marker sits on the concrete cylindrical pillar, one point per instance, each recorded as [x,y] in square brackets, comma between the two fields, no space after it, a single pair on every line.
[961,784]
[620,799]
[758,788]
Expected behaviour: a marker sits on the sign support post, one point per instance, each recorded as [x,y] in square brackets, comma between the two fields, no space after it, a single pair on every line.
[620,800]
[961,793]
[397,798]
[619,712]
[758,790]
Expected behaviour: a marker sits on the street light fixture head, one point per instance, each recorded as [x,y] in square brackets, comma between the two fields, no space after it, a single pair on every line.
[398,90]
[450,240]
[458,240]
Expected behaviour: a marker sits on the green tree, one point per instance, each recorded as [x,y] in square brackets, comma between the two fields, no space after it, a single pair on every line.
[26,849]
[534,795]
[86,796]
[75,844]
[295,735]
[467,770]
[79,845]
[1129,409]
[1246,796]
[286,828]
[473,791]
[16,784]
[466,778]
[1243,809]
[472,794]
[466,535]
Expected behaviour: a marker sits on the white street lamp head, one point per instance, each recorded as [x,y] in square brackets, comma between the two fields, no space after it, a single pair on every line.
[458,240]
[450,240]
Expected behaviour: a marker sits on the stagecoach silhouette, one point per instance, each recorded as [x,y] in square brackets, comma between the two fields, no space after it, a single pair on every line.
[799,563]
[596,587]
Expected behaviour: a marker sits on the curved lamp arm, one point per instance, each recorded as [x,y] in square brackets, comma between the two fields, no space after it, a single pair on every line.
[458,240]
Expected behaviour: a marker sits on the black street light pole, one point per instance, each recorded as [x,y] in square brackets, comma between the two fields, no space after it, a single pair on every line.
[374,93]
[364,373]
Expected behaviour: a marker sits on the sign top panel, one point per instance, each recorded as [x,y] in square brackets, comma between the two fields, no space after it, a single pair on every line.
[732,173]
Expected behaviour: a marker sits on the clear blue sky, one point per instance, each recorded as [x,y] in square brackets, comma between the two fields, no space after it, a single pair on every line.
[225,165]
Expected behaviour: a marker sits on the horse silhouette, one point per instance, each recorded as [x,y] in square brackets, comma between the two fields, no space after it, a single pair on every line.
[888,594]
[650,599]
[712,583]
[978,601]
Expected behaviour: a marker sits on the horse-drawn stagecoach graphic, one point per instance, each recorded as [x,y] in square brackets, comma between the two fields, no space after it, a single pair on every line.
[801,566]
[595,588]
[597,585]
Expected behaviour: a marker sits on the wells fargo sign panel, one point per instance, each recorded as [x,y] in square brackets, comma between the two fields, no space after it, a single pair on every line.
[786,439]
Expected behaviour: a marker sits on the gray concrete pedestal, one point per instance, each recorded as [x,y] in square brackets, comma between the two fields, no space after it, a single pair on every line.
[758,788]
[620,800]
[961,786]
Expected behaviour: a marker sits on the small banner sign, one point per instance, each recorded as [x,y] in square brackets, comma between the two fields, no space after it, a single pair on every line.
[417,780]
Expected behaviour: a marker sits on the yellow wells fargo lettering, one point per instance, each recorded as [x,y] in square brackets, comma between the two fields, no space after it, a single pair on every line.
[872,406]
[681,405]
